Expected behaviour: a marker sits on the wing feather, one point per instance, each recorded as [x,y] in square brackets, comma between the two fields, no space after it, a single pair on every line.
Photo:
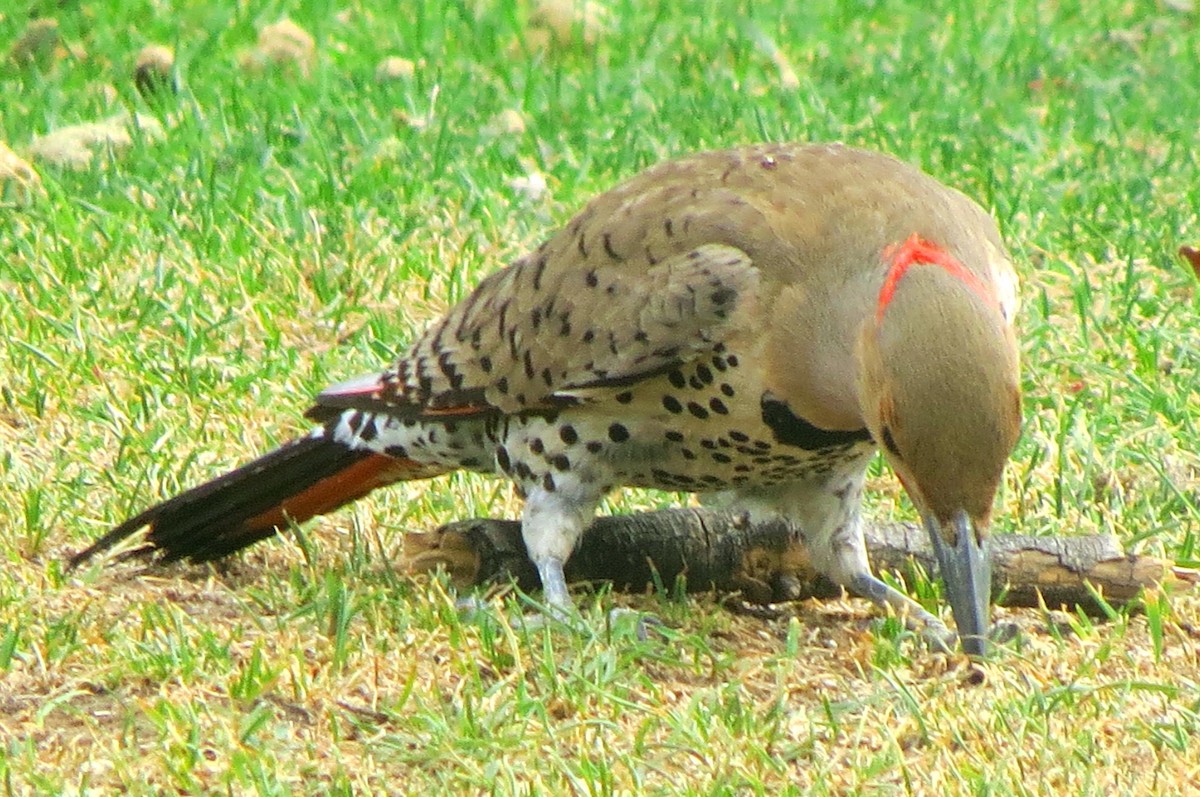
[531,334]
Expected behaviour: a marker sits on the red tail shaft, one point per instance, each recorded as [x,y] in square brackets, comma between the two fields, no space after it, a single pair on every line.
[299,480]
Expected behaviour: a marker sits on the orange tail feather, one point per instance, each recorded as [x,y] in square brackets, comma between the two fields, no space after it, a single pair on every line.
[299,480]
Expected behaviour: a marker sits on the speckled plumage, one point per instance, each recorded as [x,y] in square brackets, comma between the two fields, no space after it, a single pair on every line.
[695,328]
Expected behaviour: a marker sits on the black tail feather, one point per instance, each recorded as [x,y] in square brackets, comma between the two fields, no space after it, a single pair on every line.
[240,508]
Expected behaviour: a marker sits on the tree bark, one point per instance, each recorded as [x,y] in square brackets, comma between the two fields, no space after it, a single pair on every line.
[697,550]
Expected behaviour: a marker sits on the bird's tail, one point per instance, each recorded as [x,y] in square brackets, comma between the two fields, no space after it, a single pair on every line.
[299,480]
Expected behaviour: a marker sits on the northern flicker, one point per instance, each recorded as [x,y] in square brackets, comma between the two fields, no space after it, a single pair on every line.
[753,322]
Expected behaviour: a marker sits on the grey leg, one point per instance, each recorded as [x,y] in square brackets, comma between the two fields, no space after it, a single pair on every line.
[554,584]
[550,525]
[916,618]
[827,514]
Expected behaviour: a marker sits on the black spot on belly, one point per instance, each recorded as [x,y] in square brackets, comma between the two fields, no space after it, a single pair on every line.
[618,433]
[668,479]
[793,430]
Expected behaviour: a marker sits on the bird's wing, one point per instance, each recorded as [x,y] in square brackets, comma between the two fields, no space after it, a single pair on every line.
[554,323]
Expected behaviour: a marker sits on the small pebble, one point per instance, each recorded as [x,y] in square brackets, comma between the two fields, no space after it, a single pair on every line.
[394,68]
[153,71]
[37,43]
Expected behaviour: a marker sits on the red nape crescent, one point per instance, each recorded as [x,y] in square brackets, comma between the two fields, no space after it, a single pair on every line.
[916,251]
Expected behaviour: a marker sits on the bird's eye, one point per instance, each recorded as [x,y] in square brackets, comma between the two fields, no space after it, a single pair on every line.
[889,443]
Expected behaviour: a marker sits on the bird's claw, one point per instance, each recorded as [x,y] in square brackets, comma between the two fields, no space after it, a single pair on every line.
[643,623]
[938,637]
[1003,632]
[469,607]
[473,609]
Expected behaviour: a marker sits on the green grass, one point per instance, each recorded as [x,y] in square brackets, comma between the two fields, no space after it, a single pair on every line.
[167,312]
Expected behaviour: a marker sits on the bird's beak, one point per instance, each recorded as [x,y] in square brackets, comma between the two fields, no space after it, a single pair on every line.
[966,567]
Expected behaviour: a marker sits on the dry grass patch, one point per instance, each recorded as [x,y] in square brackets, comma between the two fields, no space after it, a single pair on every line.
[170,676]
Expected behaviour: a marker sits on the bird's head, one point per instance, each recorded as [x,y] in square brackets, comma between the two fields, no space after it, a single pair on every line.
[939,388]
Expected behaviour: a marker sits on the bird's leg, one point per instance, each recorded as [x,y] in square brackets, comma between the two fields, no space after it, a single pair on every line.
[827,514]
[852,570]
[551,524]
[554,584]
[916,618]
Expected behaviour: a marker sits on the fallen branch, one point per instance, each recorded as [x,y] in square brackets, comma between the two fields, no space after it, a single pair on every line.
[703,550]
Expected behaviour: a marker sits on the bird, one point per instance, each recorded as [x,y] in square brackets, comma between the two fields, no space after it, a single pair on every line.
[752,323]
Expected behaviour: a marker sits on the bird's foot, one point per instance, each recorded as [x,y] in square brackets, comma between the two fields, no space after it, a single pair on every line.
[619,621]
[641,623]
[1003,632]
[543,615]
[935,634]
[939,638]
[916,618]
[556,610]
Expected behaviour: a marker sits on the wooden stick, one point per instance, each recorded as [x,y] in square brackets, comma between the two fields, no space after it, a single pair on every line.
[703,550]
